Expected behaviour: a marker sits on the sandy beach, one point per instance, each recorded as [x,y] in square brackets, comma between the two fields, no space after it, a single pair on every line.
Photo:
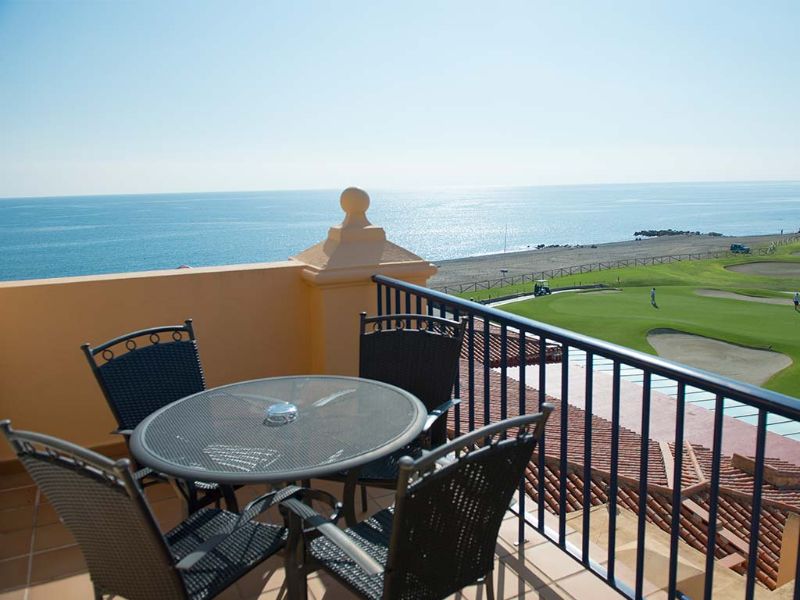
[476,268]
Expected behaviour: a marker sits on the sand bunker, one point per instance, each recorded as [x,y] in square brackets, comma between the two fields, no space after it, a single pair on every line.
[600,292]
[768,269]
[734,296]
[737,362]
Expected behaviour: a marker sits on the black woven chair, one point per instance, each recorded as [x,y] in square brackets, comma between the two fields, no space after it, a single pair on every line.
[420,354]
[144,370]
[440,536]
[102,504]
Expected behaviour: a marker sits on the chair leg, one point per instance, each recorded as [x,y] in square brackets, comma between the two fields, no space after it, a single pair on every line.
[182,492]
[488,581]
[363,498]
[230,498]
[295,562]
[192,500]
[349,497]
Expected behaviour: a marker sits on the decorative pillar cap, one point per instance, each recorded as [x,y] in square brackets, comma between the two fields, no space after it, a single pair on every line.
[354,202]
[357,249]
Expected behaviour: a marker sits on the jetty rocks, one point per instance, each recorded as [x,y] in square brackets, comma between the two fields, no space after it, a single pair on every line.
[663,232]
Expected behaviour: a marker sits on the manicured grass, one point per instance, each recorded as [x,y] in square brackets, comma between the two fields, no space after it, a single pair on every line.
[626,317]
[702,273]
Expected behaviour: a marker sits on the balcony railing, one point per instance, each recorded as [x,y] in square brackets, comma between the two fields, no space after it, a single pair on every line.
[574,470]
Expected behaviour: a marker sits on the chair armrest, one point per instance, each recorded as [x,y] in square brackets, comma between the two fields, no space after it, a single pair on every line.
[329,499]
[262,503]
[252,510]
[324,526]
[255,507]
[439,412]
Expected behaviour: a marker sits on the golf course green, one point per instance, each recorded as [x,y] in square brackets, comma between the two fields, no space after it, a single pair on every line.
[626,317]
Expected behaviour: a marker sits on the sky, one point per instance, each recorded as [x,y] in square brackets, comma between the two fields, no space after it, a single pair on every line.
[139,97]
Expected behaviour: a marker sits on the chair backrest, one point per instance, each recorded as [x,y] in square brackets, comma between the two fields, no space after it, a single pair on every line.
[418,353]
[104,509]
[142,371]
[447,519]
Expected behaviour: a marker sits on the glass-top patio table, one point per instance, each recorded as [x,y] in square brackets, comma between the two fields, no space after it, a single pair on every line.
[278,429]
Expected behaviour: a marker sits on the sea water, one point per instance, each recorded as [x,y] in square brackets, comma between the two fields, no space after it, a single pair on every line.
[79,235]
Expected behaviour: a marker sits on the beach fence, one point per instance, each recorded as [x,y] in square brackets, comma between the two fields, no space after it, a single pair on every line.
[509,280]
[773,246]
[488,284]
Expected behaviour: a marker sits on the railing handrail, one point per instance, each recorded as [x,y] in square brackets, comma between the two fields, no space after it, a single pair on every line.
[754,395]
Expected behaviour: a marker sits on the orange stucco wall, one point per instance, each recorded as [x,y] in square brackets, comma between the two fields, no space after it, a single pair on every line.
[250,320]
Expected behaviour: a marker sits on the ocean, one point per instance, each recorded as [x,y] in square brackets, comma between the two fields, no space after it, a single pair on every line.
[81,235]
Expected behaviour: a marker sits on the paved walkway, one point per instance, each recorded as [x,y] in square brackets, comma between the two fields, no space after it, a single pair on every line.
[695,396]
[737,435]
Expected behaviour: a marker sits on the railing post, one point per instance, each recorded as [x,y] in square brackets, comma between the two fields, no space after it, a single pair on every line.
[339,272]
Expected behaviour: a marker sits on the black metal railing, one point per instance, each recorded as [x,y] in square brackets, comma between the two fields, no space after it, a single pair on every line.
[486,392]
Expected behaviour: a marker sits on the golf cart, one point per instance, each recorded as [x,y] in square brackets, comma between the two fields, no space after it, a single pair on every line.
[541,288]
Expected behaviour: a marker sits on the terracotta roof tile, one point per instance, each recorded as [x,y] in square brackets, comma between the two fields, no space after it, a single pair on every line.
[513,339]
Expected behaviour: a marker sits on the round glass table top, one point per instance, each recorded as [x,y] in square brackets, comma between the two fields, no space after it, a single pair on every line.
[278,429]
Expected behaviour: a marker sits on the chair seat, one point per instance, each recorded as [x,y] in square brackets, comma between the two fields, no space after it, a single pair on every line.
[373,537]
[206,486]
[441,534]
[243,550]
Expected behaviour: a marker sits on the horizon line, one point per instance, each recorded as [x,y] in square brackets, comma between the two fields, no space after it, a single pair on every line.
[400,188]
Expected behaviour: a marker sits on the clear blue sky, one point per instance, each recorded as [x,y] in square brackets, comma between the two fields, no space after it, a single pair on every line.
[115,97]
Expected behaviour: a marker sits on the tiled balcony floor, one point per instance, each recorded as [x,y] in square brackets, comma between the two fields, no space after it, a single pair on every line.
[39,558]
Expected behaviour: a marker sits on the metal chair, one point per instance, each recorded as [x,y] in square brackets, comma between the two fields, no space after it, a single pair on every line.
[440,536]
[145,370]
[420,354]
[101,503]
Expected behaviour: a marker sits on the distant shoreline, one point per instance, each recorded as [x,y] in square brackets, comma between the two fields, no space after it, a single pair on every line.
[488,266]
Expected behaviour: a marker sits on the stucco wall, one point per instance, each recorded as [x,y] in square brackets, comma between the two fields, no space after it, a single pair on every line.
[250,320]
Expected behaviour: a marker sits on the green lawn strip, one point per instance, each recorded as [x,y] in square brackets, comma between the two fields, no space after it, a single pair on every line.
[626,317]
[703,273]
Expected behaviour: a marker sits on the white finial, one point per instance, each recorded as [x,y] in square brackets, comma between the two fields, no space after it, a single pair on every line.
[354,202]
